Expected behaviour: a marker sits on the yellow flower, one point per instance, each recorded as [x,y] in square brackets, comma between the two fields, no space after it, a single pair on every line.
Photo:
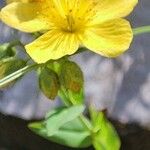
[68,24]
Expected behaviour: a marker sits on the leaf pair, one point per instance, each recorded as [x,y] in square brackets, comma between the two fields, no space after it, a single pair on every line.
[64,76]
[62,126]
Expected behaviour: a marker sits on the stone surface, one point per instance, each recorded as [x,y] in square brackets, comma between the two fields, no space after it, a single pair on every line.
[122,85]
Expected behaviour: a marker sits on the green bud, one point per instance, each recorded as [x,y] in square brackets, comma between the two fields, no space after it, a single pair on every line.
[9,66]
[6,51]
[49,83]
[71,76]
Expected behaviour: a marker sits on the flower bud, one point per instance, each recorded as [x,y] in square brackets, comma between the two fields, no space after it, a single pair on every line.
[71,76]
[49,83]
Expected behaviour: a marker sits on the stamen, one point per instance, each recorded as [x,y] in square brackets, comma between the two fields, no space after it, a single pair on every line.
[70,21]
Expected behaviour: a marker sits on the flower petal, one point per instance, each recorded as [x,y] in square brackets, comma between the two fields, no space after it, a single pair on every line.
[53,45]
[10,1]
[109,39]
[24,16]
[112,9]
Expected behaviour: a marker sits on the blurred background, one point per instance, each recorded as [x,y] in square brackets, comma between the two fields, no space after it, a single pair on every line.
[121,85]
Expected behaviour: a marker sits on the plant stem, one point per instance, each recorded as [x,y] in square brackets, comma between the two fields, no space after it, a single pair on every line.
[63,97]
[86,122]
[141,30]
[16,74]
[68,102]
[16,43]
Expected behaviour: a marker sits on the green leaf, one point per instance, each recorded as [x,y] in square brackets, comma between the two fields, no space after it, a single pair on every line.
[72,134]
[62,116]
[71,80]
[49,82]
[8,66]
[105,137]
[71,76]
[6,51]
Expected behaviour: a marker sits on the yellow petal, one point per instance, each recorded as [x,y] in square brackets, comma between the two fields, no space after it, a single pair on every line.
[10,1]
[24,16]
[53,45]
[112,9]
[109,39]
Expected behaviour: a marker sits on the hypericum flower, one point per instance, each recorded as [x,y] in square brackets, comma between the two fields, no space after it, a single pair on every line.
[68,24]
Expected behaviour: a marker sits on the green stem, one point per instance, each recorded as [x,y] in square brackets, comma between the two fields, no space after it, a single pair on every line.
[63,97]
[16,43]
[68,102]
[86,122]
[141,30]
[16,74]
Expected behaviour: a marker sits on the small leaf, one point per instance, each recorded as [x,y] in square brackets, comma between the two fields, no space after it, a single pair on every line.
[54,111]
[72,134]
[62,116]
[8,66]
[6,51]
[49,83]
[71,76]
[105,137]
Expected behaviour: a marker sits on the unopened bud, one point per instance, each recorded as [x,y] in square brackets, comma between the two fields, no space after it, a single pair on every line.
[49,83]
[71,76]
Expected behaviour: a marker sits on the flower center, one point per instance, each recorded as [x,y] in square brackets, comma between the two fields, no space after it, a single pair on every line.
[71,23]
[69,20]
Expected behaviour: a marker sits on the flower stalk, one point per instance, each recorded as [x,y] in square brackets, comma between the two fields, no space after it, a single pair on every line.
[141,30]
[67,101]
[17,74]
